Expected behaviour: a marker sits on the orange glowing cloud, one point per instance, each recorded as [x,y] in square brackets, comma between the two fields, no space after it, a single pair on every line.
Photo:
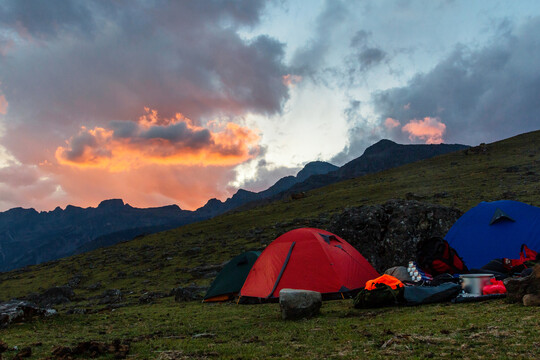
[390,123]
[152,139]
[429,129]
[291,80]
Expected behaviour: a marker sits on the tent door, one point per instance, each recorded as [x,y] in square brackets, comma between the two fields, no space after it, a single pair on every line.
[282,269]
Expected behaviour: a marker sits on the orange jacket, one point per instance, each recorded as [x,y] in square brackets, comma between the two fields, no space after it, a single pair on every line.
[389,280]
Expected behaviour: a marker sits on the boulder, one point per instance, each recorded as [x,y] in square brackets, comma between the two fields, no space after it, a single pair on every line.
[150,297]
[299,304]
[525,289]
[15,311]
[189,293]
[111,296]
[387,235]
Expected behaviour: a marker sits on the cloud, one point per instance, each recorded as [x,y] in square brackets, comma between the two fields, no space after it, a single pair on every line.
[430,130]
[311,58]
[26,186]
[361,134]
[291,80]
[390,123]
[156,140]
[83,70]
[3,105]
[483,94]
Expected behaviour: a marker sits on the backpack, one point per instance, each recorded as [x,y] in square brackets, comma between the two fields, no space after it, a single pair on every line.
[527,258]
[383,291]
[436,256]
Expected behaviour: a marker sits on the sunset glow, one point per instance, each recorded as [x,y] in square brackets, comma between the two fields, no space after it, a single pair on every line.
[431,130]
[178,102]
[156,140]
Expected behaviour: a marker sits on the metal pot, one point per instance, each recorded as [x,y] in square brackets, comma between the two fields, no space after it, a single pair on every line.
[474,283]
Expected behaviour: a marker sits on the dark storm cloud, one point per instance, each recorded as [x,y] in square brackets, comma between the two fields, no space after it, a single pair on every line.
[364,55]
[43,19]
[98,62]
[179,133]
[488,93]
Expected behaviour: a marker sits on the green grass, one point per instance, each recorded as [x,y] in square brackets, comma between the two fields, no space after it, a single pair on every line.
[160,262]
[257,331]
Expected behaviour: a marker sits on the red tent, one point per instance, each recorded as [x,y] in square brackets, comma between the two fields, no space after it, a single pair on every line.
[308,259]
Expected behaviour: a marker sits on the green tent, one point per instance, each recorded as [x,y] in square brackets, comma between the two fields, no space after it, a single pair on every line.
[230,279]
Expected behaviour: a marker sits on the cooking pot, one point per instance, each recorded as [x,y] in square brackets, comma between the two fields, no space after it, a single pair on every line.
[474,283]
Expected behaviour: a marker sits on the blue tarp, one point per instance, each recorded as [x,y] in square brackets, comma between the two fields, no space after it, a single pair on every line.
[493,230]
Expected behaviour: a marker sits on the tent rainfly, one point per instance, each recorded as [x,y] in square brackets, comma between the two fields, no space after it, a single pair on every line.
[494,230]
[230,279]
[308,259]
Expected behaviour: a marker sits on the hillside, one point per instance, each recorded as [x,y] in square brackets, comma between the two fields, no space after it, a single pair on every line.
[28,237]
[508,169]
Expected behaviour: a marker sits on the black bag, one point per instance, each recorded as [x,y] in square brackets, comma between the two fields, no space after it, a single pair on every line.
[435,256]
[382,295]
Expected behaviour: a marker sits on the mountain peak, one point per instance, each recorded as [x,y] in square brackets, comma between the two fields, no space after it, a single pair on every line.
[111,204]
[315,168]
[380,146]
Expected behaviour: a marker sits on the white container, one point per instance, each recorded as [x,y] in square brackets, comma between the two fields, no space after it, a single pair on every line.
[474,283]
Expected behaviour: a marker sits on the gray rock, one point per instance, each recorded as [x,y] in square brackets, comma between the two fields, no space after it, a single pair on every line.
[111,296]
[189,293]
[15,311]
[94,287]
[150,297]
[299,304]
[387,235]
[517,288]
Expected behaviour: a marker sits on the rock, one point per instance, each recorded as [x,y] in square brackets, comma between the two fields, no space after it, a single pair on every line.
[150,297]
[54,296]
[298,304]
[188,293]
[203,336]
[76,311]
[111,296]
[387,235]
[20,311]
[94,287]
[75,281]
[531,300]
[518,288]
[205,270]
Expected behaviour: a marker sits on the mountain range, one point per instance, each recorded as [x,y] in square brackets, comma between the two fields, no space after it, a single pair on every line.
[30,237]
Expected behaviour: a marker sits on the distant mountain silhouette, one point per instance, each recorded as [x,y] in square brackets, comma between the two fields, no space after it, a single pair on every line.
[380,156]
[29,237]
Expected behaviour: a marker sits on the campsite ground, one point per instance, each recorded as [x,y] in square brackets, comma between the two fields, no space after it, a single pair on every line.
[168,330]
[157,263]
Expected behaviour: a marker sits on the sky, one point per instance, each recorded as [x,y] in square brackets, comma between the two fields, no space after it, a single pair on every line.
[175,102]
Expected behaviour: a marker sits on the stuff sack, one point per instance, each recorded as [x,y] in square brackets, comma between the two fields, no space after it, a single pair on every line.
[436,256]
[385,290]
[417,295]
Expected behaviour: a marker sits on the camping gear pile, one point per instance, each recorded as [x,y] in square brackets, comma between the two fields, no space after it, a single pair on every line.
[467,265]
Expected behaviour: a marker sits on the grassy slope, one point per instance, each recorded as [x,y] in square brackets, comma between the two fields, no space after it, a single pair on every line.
[509,169]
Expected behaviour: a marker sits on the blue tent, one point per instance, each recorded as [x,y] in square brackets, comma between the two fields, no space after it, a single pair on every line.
[493,230]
